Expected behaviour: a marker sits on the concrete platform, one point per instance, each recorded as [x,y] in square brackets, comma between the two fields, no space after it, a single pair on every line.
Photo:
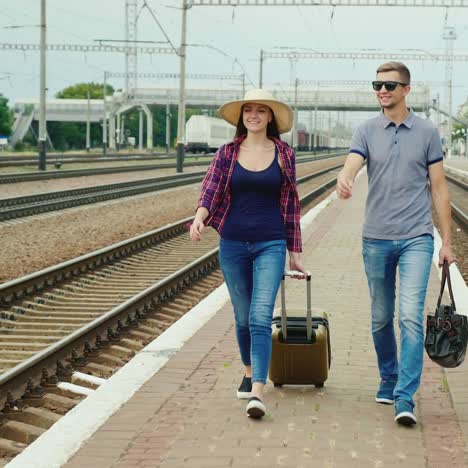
[457,163]
[187,414]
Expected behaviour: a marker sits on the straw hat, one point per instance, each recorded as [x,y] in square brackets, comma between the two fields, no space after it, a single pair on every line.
[283,114]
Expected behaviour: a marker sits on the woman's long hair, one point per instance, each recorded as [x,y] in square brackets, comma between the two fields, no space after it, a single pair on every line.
[272,128]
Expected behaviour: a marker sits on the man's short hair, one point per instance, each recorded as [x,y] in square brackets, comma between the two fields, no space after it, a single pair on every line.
[399,67]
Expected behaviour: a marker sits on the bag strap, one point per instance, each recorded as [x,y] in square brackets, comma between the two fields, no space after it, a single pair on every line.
[446,276]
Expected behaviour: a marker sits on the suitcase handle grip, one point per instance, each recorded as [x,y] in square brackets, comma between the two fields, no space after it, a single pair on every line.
[296,273]
[284,330]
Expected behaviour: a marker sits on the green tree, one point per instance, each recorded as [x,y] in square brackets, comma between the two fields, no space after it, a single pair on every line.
[6,117]
[459,130]
[80,91]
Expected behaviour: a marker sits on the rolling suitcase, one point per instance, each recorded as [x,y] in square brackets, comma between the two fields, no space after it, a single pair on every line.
[301,351]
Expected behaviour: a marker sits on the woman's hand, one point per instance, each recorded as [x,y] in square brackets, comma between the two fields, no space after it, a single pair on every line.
[198,224]
[196,229]
[295,263]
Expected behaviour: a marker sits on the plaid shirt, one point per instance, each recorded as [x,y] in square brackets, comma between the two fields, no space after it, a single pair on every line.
[216,195]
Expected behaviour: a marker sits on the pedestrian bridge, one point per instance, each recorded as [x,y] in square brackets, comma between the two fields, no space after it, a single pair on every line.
[78,110]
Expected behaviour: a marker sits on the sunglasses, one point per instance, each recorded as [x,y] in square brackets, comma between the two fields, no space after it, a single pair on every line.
[389,85]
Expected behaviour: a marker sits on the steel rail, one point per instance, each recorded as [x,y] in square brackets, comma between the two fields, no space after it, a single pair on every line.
[29,373]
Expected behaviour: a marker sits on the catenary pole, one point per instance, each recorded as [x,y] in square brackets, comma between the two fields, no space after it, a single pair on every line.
[104,119]
[88,123]
[260,80]
[42,92]
[181,113]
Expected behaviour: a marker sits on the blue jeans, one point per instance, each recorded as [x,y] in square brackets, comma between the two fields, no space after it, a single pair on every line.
[413,257]
[253,272]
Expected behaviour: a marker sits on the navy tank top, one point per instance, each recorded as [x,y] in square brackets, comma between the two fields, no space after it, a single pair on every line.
[255,214]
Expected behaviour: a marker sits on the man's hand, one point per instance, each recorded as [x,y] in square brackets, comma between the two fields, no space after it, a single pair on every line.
[344,186]
[445,253]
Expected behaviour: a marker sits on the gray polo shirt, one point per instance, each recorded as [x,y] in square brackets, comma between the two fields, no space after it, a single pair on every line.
[398,203]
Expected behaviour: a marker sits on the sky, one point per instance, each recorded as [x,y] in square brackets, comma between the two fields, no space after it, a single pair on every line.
[227,40]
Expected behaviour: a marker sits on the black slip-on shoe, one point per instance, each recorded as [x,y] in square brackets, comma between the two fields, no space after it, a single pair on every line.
[256,408]
[244,392]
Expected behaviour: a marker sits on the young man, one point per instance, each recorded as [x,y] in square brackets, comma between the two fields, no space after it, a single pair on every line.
[402,152]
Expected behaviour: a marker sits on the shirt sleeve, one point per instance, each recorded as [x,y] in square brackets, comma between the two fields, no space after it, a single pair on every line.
[359,144]
[434,150]
[212,183]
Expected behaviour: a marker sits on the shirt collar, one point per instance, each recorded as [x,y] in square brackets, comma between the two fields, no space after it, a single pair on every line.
[408,122]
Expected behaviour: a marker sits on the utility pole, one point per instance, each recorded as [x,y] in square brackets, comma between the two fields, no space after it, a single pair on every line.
[168,126]
[311,123]
[294,131]
[260,80]
[104,120]
[131,54]
[88,125]
[140,129]
[449,35]
[466,142]
[181,116]
[42,92]
[316,121]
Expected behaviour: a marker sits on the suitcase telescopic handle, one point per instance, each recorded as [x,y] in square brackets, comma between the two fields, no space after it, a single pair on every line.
[284,330]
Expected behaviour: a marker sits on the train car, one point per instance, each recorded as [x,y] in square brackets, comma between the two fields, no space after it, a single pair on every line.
[299,137]
[204,134]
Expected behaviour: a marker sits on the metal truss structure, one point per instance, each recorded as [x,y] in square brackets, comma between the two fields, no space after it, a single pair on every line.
[131,54]
[332,3]
[195,76]
[86,48]
[360,83]
[422,56]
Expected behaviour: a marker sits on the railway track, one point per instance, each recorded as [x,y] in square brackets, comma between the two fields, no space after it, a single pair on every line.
[19,161]
[18,207]
[66,329]
[458,189]
[459,200]
[10,178]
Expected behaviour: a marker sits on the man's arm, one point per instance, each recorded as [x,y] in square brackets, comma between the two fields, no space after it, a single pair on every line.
[345,180]
[441,201]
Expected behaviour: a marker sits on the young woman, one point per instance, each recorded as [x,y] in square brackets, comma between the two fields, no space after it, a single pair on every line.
[249,196]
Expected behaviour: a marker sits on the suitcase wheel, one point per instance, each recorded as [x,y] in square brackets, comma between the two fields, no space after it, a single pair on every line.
[319,385]
[278,384]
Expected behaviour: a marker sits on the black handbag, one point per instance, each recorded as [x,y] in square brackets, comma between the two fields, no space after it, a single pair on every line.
[447,331]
